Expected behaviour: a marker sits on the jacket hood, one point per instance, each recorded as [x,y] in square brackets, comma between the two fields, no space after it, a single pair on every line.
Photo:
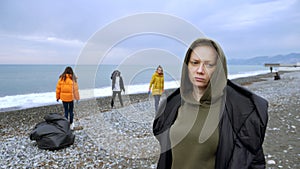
[115,73]
[212,101]
[217,82]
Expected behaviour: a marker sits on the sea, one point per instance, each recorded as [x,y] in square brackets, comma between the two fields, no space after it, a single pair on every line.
[27,86]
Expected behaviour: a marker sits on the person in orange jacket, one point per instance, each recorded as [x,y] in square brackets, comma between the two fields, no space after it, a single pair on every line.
[67,91]
[157,85]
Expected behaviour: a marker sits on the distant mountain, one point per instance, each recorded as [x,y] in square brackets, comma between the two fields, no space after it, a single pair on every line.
[261,60]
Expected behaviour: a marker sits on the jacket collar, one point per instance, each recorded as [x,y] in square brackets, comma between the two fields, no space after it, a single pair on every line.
[243,103]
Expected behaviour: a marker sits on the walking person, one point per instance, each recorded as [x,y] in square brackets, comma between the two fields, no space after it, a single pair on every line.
[117,87]
[67,91]
[157,85]
[210,122]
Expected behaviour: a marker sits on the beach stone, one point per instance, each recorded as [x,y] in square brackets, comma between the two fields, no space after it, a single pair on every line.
[271,162]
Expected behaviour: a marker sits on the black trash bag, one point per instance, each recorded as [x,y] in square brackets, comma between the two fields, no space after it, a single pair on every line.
[54,133]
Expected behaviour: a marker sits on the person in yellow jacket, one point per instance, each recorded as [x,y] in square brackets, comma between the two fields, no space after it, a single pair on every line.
[157,85]
[67,91]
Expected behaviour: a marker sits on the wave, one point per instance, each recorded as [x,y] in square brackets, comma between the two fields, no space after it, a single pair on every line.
[248,74]
[17,102]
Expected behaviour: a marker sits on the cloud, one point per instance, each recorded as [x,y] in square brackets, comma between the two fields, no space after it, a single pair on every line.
[38,49]
[60,30]
[45,39]
[247,15]
[164,27]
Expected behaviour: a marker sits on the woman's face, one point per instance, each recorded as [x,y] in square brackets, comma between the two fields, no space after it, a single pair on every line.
[159,70]
[202,64]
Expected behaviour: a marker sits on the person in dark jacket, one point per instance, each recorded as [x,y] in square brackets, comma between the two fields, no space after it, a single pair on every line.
[277,76]
[117,87]
[210,122]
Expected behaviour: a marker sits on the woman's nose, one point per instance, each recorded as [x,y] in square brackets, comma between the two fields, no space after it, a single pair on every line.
[201,68]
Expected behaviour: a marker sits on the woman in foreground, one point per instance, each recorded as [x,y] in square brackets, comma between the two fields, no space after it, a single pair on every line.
[210,122]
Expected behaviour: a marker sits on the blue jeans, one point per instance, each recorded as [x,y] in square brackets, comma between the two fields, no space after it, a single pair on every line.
[156,101]
[69,106]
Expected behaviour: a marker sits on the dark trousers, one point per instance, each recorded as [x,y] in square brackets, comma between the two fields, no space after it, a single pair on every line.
[69,106]
[114,96]
[156,101]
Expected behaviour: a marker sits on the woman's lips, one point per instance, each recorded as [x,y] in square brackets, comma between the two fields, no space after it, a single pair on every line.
[198,79]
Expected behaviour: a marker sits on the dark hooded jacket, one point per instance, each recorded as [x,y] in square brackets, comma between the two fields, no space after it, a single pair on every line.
[242,125]
[113,78]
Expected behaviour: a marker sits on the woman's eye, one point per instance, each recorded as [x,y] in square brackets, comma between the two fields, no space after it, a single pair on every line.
[194,62]
[209,65]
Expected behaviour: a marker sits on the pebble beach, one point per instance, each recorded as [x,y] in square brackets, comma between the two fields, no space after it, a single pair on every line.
[122,137]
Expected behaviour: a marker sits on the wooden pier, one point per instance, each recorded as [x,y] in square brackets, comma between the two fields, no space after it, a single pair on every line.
[281,65]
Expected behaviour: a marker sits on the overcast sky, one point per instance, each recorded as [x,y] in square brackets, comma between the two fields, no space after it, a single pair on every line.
[59,31]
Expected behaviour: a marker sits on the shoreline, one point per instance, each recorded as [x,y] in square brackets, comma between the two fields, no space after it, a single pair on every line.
[241,80]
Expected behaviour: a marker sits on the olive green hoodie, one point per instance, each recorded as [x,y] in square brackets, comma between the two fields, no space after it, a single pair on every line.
[194,135]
